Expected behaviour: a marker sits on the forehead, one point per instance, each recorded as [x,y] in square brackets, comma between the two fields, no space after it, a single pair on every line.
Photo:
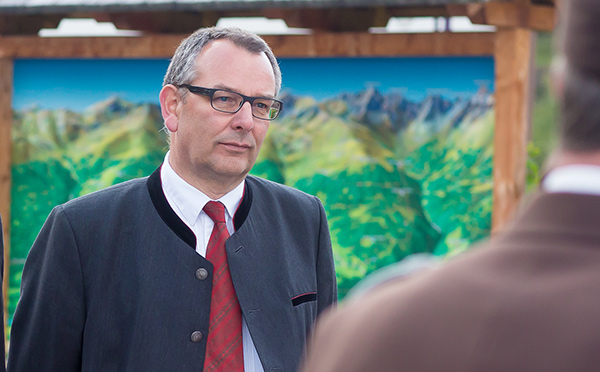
[223,63]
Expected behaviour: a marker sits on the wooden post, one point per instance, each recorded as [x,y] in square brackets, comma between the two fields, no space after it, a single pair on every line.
[6,82]
[513,63]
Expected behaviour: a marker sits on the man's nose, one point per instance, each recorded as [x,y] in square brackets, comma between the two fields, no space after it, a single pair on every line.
[243,118]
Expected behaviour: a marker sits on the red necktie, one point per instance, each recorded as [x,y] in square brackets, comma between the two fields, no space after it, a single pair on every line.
[224,350]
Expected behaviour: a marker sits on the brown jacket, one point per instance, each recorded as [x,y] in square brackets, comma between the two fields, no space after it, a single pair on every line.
[529,300]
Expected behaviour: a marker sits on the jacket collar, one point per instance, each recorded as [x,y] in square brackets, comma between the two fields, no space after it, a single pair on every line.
[179,227]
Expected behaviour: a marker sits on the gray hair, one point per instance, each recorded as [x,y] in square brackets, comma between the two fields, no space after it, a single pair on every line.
[182,69]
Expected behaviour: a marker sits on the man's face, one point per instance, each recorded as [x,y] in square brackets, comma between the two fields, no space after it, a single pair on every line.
[210,145]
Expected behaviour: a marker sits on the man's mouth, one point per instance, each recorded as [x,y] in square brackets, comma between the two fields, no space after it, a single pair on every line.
[236,145]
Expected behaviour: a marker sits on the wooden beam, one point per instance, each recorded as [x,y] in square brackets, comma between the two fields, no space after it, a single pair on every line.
[513,63]
[6,82]
[314,45]
[293,18]
[161,22]
[363,44]
[457,10]
[27,24]
[416,11]
[335,20]
[351,19]
[187,20]
[95,47]
[511,14]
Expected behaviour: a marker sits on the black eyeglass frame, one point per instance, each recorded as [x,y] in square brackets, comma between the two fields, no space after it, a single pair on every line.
[210,92]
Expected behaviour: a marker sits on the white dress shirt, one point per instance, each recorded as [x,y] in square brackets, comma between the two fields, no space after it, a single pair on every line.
[187,202]
[573,179]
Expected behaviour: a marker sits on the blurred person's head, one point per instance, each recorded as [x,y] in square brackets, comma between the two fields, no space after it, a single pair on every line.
[576,74]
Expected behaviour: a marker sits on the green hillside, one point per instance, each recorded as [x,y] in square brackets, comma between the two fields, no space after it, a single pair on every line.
[382,207]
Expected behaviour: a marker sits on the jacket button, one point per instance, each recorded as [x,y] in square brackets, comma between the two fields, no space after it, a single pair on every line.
[201,273]
[196,336]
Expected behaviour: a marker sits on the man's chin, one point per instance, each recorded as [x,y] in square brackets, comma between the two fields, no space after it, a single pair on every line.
[234,170]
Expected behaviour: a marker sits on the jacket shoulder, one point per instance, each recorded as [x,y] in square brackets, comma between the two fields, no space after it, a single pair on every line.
[126,193]
[259,184]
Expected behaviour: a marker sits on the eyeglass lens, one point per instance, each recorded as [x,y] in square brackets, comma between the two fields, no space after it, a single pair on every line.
[263,108]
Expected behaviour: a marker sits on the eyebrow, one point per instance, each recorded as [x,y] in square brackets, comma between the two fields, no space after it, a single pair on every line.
[225,87]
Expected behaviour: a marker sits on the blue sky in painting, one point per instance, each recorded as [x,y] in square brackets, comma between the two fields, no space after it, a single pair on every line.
[414,77]
[78,83]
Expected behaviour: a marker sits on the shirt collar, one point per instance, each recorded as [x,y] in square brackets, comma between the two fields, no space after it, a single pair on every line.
[574,179]
[188,201]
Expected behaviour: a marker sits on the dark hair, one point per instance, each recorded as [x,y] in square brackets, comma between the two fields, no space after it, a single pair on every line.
[580,112]
[182,69]
[579,35]
[578,39]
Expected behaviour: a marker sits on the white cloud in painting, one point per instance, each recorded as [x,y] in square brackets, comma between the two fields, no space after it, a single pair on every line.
[85,27]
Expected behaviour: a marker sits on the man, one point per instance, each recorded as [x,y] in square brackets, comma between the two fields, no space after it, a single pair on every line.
[118,280]
[527,301]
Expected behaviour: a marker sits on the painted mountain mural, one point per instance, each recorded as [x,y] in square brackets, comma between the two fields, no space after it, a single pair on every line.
[396,177]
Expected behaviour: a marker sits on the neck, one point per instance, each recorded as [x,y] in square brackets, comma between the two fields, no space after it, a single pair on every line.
[214,186]
[564,157]
[212,190]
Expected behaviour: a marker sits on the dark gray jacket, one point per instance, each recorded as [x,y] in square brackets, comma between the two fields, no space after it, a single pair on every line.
[112,283]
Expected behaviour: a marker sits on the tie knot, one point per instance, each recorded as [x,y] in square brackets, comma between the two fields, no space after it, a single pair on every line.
[215,210]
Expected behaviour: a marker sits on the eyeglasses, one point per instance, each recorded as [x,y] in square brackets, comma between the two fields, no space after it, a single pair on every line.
[231,102]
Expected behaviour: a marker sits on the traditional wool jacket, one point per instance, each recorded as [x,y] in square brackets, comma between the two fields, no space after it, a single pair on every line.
[113,281]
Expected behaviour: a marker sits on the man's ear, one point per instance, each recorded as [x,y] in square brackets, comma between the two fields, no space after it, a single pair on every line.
[169,103]
[557,75]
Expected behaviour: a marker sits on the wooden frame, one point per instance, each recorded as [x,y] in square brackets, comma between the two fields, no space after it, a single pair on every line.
[513,63]
[510,47]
